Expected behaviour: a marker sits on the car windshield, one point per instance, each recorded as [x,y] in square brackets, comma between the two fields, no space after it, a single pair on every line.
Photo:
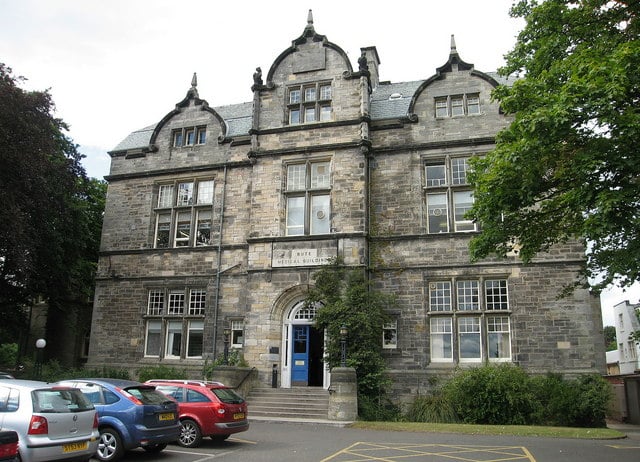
[148,395]
[227,395]
[60,400]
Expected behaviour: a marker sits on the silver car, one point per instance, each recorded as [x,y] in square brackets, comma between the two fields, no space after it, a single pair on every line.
[53,423]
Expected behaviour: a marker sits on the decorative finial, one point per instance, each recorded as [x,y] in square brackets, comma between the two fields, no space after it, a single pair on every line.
[310,18]
[193,91]
[453,44]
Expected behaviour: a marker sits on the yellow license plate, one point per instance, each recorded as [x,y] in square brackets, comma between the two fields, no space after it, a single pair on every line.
[71,447]
[167,416]
[238,415]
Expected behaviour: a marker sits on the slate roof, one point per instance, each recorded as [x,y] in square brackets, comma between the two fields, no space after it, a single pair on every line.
[388,101]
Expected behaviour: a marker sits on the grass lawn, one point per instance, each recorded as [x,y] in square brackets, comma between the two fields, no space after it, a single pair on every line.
[515,430]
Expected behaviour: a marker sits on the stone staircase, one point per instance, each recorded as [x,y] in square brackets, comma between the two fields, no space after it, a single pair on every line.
[288,403]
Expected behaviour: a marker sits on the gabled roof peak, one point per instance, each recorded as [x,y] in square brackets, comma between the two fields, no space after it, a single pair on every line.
[193,91]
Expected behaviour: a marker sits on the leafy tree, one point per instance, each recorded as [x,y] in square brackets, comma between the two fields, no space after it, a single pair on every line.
[345,298]
[610,338]
[52,213]
[567,167]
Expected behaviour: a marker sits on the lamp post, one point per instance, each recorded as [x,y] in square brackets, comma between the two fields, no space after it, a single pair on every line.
[227,332]
[40,344]
[343,345]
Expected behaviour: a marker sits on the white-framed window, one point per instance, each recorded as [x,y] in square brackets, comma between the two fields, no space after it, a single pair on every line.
[390,335]
[189,136]
[457,105]
[184,213]
[447,195]
[308,198]
[473,325]
[174,322]
[237,333]
[308,103]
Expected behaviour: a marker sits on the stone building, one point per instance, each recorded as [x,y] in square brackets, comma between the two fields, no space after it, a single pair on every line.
[217,218]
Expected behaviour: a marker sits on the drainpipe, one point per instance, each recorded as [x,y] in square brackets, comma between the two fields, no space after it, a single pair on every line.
[216,302]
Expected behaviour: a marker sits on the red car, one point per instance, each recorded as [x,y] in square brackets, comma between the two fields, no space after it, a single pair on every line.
[206,409]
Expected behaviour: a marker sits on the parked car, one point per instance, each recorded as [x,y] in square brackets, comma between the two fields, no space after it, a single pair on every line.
[130,415]
[8,446]
[53,422]
[206,409]
[6,375]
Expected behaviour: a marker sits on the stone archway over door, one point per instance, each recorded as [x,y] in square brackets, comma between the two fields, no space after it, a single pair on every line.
[303,346]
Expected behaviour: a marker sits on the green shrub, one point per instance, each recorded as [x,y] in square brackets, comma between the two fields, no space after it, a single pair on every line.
[160,372]
[435,408]
[377,409]
[493,395]
[8,355]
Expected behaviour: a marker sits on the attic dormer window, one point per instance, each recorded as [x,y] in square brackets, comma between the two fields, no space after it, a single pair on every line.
[189,136]
[457,105]
[309,103]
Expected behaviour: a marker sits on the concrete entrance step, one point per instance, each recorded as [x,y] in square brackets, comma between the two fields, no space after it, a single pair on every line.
[288,403]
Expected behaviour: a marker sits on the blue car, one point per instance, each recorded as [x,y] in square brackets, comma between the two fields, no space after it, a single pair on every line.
[130,415]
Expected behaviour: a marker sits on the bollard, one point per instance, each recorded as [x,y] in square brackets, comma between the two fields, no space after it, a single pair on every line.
[274,376]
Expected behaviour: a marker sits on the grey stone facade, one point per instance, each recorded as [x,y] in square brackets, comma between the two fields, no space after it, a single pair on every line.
[161,298]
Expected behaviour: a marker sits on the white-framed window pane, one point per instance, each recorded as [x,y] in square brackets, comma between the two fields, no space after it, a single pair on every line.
[459,167]
[440,339]
[295,216]
[457,106]
[325,113]
[294,96]
[438,211]
[320,175]
[194,339]
[205,192]
[153,336]
[435,175]
[390,335]
[469,338]
[296,177]
[442,107]
[496,294]
[185,194]
[310,94]
[325,92]
[155,305]
[197,302]
[498,337]
[473,104]
[190,137]
[202,135]
[320,223]
[165,195]
[163,229]
[203,228]
[237,334]
[174,339]
[310,114]
[176,303]
[462,203]
[183,229]
[468,295]
[177,138]
[294,116]
[440,296]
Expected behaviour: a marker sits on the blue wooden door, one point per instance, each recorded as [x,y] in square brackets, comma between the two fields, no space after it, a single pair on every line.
[300,356]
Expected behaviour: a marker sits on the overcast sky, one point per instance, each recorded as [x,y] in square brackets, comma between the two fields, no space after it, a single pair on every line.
[115,66]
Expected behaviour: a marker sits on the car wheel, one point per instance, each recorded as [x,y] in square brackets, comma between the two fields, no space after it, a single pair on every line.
[190,434]
[155,448]
[110,445]
[219,438]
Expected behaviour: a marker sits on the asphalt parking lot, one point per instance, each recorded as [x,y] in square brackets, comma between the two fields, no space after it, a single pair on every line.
[267,441]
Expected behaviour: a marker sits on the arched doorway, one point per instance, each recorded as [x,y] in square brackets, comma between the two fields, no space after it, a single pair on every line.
[303,346]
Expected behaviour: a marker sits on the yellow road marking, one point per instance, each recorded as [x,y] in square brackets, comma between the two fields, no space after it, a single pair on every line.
[392,452]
